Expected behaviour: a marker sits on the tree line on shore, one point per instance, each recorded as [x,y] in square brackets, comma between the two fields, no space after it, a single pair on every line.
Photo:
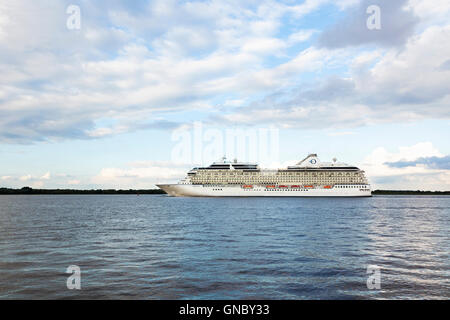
[410,192]
[28,190]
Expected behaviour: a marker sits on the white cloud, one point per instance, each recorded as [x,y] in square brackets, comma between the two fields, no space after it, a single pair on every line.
[419,177]
[344,4]
[35,179]
[397,72]
[374,163]
[27,177]
[264,46]
[300,36]
[162,56]
[64,82]
[341,133]
[392,85]
[141,174]
[37,184]
[46,176]
[430,10]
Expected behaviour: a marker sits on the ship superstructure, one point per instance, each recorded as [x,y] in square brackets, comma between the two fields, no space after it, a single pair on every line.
[309,177]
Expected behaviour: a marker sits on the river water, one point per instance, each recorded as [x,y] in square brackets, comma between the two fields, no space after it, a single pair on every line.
[159,247]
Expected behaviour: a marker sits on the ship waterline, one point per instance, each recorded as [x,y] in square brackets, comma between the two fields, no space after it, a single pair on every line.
[185,190]
[308,178]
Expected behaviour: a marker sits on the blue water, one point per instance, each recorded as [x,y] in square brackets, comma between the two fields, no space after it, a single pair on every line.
[158,247]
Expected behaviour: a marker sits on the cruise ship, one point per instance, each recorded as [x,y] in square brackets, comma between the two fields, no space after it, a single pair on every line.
[308,178]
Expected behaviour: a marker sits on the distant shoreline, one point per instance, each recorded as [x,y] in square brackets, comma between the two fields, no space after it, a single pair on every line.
[411,192]
[28,190]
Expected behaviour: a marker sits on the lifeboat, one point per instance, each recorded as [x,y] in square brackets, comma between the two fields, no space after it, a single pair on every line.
[327,187]
[270,187]
[295,186]
[247,186]
[308,186]
[282,186]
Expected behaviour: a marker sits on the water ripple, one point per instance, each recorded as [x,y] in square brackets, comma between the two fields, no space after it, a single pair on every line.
[157,247]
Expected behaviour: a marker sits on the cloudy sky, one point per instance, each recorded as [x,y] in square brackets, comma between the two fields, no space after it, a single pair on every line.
[99,104]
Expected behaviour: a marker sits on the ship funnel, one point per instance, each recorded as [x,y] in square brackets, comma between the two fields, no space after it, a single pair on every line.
[311,159]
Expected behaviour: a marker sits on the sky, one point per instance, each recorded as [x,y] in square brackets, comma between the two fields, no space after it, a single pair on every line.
[127,94]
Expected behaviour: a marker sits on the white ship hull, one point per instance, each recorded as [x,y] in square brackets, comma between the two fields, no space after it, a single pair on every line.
[190,190]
